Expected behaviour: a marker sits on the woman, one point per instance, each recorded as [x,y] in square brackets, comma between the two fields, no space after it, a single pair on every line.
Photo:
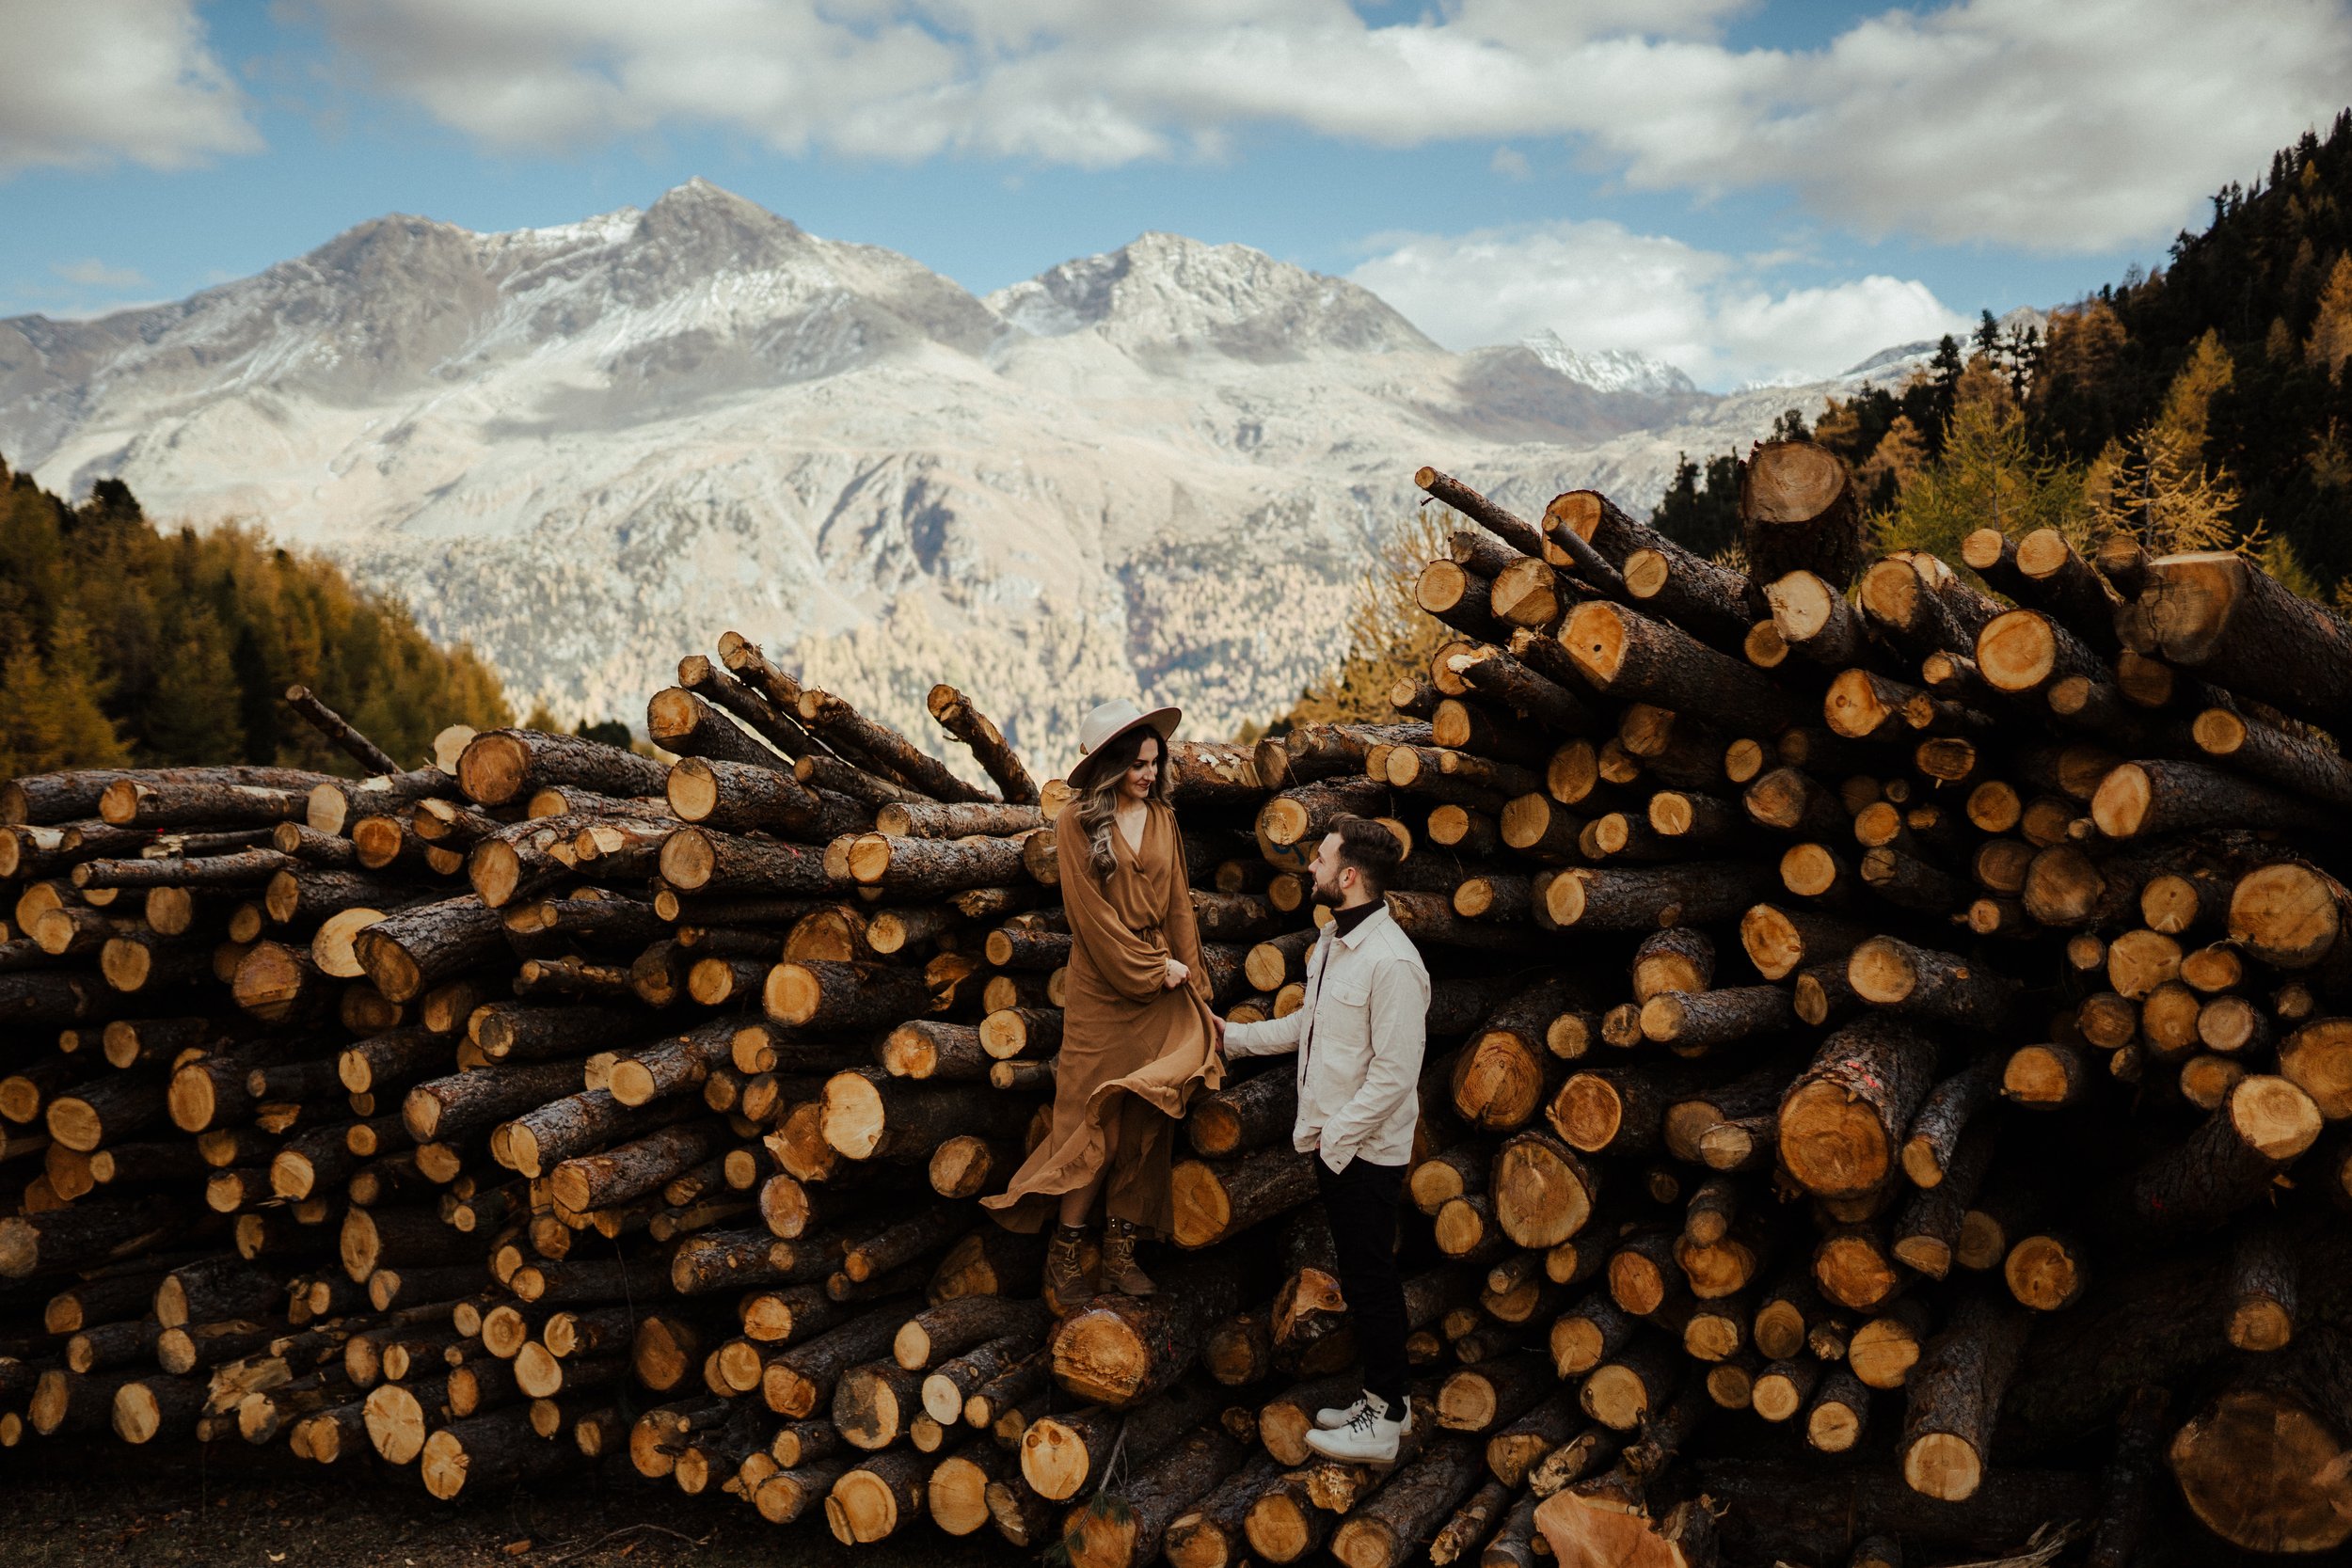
[1137,1029]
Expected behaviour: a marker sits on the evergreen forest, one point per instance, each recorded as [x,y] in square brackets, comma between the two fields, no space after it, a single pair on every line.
[2203,406]
[126,645]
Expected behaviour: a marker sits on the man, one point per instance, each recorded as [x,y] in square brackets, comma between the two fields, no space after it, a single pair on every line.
[1359,1037]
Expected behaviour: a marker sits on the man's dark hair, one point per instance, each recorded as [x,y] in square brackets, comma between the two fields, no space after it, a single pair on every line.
[1371,848]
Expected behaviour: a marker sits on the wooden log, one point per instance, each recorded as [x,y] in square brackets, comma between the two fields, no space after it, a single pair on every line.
[1919,604]
[679,722]
[866,1115]
[1151,1500]
[499,766]
[1401,1517]
[1953,1395]
[1635,659]
[1798,512]
[696,860]
[1916,982]
[1813,616]
[1648,899]
[2275,756]
[1780,942]
[1842,1121]
[1120,1351]
[2288,1410]
[2222,616]
[1249,1115]
[2226,1165]
[2157,797]
[1695,1022]
[1060,1453]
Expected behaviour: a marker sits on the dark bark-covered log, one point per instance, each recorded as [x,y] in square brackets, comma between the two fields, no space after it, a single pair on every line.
[819,995]
[1635,659]
[1843,1119]
[869,1116]
[1696,1021]
[1645,899]
[2263,1464]
[499,766]
[1249,1115]
[737,796]
[407,952]
[696,860]
[1214,1201]
[880,747]
[1916,982]
[1120,1349]
[1953,1396]
[1780,942]
[1151,1500]
[2226,1165]
[1920,604]
[447,1109]
[2145,800]
[2276,756]
[1798,512]
[679,722]
[1813,616]
[1400,1519]
[2222,616]
[82,1236]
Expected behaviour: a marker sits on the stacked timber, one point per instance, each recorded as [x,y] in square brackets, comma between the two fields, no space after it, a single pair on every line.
[1882,1088]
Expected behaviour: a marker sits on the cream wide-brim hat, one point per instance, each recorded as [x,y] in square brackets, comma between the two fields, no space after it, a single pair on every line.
[1109,721]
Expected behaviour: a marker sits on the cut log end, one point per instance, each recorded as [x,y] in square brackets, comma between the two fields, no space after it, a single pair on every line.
[2266,1473]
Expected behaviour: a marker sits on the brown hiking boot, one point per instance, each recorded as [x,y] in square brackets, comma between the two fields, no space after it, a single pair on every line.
[1069,1280]
[1120,1273]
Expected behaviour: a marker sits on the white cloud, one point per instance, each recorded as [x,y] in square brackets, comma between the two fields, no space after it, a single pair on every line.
[92,272]
[1510,163]
[1601,286]
[95,80]
[2076,126]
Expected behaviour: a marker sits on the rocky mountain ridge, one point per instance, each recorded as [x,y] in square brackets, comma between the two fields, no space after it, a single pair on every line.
[1155,472]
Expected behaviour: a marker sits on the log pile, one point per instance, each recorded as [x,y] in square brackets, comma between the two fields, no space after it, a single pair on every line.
[1883,1091]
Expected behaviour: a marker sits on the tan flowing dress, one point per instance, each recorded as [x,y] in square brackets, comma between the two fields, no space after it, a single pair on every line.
[1133,1052]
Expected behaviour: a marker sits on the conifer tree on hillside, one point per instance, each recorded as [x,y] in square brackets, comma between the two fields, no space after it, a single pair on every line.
[123,644]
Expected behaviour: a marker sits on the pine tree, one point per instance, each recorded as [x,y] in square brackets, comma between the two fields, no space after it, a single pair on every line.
[2331,343]
[1987,476]
[1388,639]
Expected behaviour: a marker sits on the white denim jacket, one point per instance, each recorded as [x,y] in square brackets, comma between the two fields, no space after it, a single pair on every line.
[1360,1037]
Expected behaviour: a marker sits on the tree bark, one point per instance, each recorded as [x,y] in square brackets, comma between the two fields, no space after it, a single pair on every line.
[1842,1120]
[1634,658]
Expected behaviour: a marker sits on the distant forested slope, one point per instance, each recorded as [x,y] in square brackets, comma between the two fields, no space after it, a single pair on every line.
[123,644]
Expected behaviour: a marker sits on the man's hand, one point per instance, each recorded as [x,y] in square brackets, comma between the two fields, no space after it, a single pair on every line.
[1176,974]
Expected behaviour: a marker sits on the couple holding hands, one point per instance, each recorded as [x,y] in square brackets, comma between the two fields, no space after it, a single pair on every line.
[1140,1041]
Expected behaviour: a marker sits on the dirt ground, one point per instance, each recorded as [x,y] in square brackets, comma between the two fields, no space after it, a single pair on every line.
[95,1508]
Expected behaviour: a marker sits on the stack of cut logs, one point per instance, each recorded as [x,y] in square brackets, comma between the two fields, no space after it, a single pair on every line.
[1881,1092]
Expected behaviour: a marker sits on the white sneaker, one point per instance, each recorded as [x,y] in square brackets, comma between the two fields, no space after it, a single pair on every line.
[1371,1438]
[1333,1417]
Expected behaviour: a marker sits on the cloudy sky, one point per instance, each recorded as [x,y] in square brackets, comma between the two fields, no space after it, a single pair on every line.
[1751,191]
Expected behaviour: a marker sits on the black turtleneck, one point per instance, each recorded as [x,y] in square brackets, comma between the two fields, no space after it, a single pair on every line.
[1347,920]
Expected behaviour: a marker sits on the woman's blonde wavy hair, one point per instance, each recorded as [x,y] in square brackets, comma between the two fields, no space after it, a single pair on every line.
[1099,805]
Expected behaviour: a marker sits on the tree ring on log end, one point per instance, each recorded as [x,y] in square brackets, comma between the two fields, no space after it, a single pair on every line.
[2260,1471]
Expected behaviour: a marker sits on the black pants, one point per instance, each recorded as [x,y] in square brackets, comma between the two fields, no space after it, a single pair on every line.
[1360,1202]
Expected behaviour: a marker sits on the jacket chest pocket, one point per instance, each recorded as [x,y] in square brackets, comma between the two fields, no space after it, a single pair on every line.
[1343,1015]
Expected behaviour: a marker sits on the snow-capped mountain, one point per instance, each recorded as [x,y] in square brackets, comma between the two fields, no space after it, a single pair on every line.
[1610,369]
[590,449]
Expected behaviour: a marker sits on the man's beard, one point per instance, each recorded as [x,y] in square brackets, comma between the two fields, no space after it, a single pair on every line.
[1328,896]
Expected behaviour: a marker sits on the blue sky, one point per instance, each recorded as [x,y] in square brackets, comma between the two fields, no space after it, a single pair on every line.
[1751,191]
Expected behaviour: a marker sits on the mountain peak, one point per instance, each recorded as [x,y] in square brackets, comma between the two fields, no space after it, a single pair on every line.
[1165,292]
[1609,369]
